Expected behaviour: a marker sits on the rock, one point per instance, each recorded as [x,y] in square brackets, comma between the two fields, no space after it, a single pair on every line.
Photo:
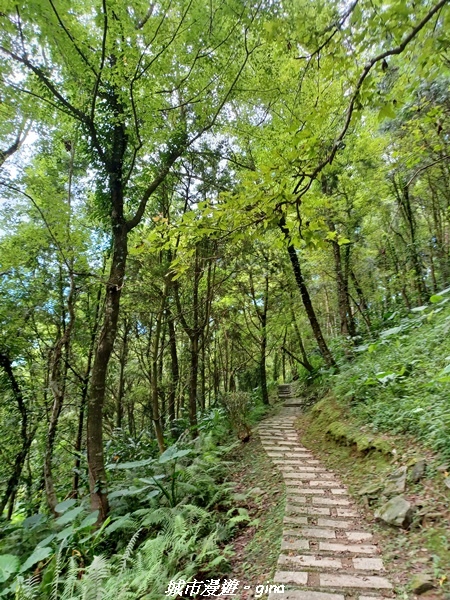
[396,482]
[418,471]
[371,490]
[397,511]
[256,491]
[421,583]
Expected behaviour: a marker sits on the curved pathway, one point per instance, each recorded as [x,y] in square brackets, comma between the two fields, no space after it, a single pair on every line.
[325,554]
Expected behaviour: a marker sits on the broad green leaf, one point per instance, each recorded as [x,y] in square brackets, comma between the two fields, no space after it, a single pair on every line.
[131,491]
[131,465]
[172,453]
[63,506]
[66,532]
[89,520]
[40,553]
[9,564]
[70,516]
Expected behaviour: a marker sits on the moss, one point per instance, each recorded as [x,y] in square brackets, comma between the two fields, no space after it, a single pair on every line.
[329,416]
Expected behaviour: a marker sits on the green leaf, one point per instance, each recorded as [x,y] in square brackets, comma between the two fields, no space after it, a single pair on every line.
[66,532]
[69,516]
[386,112]
[172,453]
[40,553]
[63,506]
[131,465]
[131,491]
[435,298]
[392,331]
[89,520]
[47,540]
[9,564]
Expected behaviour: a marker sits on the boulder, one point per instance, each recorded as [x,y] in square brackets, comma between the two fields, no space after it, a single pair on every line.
[418,471]
[397,511]
[421,583]
[396,482]
[372,490]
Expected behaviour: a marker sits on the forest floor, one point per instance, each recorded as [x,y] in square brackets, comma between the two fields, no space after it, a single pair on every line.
[423,550]
[260,490]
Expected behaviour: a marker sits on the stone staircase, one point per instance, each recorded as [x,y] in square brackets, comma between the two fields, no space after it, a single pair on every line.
[285,392]
[327,550]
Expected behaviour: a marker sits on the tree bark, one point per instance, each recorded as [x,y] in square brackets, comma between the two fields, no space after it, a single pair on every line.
[107,336]
[304,293]
[173,367]
[25,435]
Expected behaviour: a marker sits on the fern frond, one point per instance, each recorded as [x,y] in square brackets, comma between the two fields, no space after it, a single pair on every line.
[129,549]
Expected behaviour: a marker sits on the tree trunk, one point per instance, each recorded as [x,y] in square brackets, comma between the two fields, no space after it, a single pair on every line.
[122,363]
[263,371]
[156,416]
[84,392]
[57,385]
[173,367]
[26,438]
[304,293]
[305,362]
[108,332]
[193,379]
[345,313]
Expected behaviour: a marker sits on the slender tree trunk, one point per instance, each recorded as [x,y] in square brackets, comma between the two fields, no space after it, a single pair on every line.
[173,388]
[122,364]
[345,313]
[404,202]
[305,362]
[84,392]
[107,336]
[193,380]
[283,358]
[304,293]
[25,435]
[263,371]
[362,306]
[57,384]
[156,416]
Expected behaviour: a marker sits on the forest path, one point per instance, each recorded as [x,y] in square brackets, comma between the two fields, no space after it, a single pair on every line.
[325,552]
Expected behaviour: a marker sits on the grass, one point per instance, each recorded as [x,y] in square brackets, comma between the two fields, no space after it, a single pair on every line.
[401,382]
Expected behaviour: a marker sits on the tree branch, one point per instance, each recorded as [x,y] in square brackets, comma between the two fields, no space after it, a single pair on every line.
[299,190]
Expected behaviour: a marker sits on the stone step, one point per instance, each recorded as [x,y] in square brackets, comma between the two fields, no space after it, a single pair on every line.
[324,553]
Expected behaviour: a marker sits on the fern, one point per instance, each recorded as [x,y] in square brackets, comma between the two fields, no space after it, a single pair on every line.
[71,580]
[28,589]
[129,549]
[96,573]
[57,572]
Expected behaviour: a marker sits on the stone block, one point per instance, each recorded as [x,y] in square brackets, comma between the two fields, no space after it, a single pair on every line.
[311,561]
[334,523]
[352,548]
[290,577]
[337,580]
[368,564]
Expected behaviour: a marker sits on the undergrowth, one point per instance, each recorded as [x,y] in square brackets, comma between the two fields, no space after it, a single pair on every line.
[400,383]
[172,518]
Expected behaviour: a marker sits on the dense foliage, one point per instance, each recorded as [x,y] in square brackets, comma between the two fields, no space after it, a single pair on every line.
[199,201]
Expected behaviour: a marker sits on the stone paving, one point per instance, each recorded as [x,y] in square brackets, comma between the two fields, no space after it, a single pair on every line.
[325,553]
